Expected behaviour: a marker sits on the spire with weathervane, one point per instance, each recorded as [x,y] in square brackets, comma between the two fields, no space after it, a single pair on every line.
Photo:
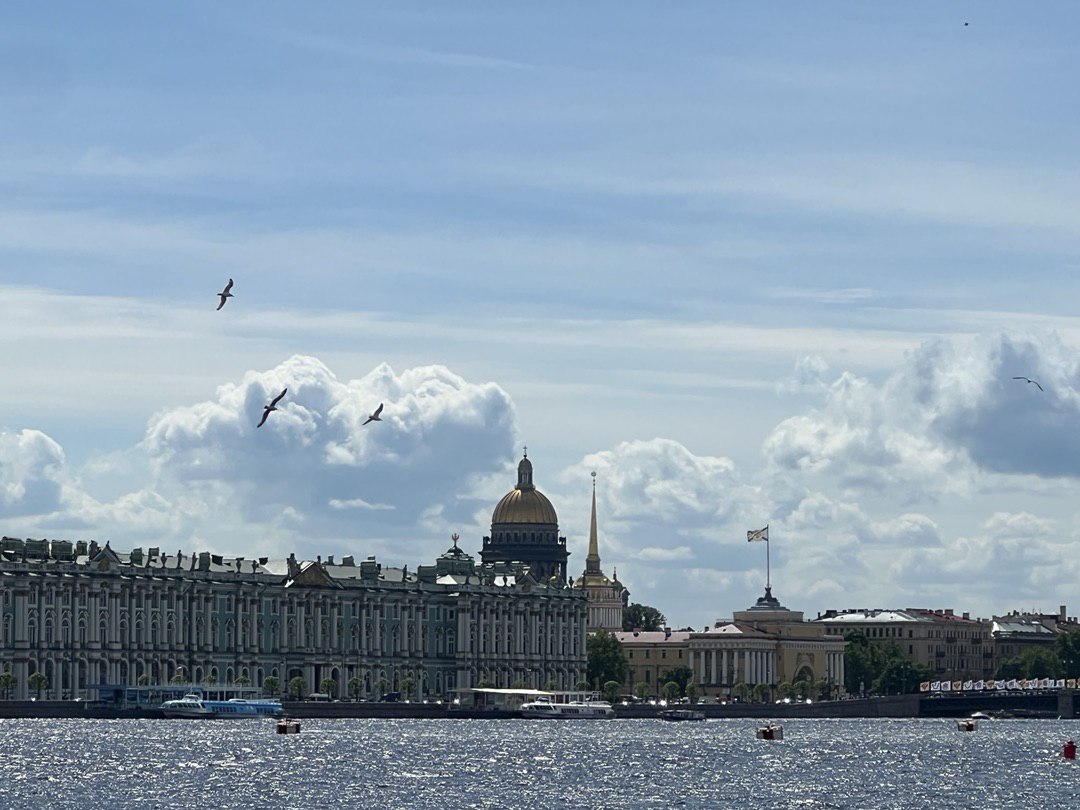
[607,597]
[592,561]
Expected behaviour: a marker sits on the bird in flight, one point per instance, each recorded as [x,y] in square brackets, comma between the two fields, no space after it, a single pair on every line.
[1026,379]
[375,417]
[271,407]
[225,294]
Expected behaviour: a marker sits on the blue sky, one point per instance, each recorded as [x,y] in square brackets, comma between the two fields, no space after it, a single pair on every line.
[752,263]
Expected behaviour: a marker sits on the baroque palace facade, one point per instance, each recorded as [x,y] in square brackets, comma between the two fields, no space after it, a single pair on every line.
[83,614]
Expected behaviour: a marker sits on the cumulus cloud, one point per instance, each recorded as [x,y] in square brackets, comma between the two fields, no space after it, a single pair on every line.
[31,466]
[949,414]
[808,376]
[317,459]
[313,479]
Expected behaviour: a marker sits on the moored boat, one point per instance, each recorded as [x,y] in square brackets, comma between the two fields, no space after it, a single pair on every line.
[682,715]
[195,707]
[545,708]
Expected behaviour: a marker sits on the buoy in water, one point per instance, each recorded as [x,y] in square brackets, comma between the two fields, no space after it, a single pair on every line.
[1069,751]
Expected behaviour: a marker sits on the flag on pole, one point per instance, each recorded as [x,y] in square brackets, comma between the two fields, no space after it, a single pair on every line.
[760,534]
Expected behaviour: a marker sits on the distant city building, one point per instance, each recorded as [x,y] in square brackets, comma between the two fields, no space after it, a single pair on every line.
[1018,631]
[83,614]
[951,646]
[525,529]
[607,597]
[760,648]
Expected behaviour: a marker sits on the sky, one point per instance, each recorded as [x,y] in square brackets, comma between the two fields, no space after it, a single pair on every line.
[753,264]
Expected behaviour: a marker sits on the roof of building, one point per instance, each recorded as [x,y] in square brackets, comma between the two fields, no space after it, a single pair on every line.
[651,636]
[525,503]
[864,616]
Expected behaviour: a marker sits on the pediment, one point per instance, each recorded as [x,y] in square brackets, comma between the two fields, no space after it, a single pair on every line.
[312,575]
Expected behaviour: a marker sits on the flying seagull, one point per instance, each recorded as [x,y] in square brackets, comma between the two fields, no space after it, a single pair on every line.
[375,416]
[271,407]
[1025,379]
[225,294]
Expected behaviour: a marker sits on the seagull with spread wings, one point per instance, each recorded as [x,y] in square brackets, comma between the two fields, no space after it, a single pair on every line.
[375,417]
[271,407]
[1029,380]
[225,294]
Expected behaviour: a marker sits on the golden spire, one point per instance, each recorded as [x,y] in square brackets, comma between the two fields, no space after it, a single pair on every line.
[592,561]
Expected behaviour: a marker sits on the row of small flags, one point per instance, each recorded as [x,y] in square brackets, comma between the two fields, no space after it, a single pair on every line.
[1011,683]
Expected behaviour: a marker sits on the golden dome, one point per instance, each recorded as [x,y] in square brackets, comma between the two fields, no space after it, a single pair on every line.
[524,503]
[524,506]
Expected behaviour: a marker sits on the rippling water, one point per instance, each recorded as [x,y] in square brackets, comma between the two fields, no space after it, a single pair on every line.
[536,764]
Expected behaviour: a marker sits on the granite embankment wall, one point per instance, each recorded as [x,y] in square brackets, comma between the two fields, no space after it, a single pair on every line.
[1060,704]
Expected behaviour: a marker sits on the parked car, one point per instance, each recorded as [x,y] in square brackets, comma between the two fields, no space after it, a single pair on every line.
[391,697]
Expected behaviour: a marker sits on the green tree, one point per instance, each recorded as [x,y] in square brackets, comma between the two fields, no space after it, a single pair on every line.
[642,617]
[784,689]
[611,691]
[583,686]
[297,686]
[900,677]
[1034,662]
[1067,647]
[271,685]
[143,680]
[693,691]
[741,690]
[606,658]
[211,678]
[243,680]
[328,686]
[179,677]
[865,661]
[355,687]
[641,689]
[671,691]
[37,681]
[382,685]
[518,683]
[8,683]
[406,685]
[821,688]
[681,675]
[762,692]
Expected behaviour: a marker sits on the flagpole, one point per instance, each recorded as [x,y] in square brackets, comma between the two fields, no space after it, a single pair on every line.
[768,569]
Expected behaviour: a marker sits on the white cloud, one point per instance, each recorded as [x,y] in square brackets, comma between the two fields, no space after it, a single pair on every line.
[437,434]
[31,464]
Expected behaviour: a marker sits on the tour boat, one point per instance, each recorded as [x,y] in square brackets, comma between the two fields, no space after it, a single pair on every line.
[543,707]
[966,724]
[193,706]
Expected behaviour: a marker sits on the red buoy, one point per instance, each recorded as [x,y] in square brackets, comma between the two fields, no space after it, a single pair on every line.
[1070,750]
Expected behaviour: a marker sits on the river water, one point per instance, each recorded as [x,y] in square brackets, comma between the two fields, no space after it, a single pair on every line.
[383,763]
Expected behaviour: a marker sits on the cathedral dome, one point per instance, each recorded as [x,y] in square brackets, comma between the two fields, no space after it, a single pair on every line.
[524,503]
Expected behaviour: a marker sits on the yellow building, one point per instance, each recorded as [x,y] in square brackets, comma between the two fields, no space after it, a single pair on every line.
[759,649]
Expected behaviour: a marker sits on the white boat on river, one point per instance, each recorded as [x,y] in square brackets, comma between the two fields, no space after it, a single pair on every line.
[194,706]
[547,709]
